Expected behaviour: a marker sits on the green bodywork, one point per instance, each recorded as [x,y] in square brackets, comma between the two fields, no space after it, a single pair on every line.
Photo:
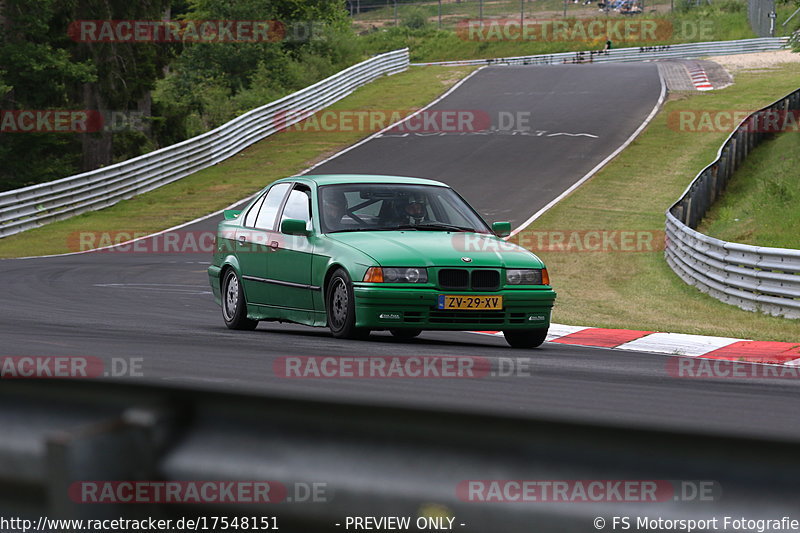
[285,276]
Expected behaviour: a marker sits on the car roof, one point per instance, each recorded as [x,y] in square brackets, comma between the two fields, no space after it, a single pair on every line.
[331,179]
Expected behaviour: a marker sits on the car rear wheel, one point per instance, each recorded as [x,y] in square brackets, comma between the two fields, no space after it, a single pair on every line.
[525,338]
[234,306]
[405,333]
[340,305]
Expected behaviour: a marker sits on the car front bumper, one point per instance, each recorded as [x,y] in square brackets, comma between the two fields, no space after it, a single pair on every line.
[392,307]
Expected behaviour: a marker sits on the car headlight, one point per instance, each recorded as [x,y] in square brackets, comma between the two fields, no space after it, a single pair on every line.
[527,276]
[396,275]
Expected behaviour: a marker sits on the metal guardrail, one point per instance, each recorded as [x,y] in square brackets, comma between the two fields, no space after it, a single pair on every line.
[673,51]
[372,460]
[33,206]
[754,278]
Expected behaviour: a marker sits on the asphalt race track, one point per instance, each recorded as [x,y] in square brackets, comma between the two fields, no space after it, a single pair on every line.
[158,307]
[576,117]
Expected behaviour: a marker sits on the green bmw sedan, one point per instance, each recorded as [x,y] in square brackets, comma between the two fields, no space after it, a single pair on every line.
[358,253]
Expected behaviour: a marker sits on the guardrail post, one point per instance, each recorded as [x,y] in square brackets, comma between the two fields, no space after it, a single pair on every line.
[746,145]
[715,183]
[724,169]
[123,449]
[688,219]
[677,211]
[731,159]
[706,194]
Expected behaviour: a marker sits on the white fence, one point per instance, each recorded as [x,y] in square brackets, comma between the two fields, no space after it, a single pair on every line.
[33,206]
[751,277]
[672,51]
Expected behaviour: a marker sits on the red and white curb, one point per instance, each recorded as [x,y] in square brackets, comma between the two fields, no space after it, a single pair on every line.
[766,352]
[699,77]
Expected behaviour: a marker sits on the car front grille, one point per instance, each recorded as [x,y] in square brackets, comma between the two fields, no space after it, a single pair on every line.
[454,278]
[462,279]
[485,280]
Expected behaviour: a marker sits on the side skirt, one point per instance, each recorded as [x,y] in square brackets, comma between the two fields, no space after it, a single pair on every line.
[274,313]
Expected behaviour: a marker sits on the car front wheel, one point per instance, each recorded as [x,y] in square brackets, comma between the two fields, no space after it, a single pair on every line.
[525,338]
[234,306]
[341,307]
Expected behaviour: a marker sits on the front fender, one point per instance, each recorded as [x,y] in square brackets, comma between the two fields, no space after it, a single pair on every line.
[330,254]
[215,271]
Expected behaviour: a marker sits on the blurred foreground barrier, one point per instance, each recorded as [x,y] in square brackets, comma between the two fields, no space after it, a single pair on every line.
[76,450]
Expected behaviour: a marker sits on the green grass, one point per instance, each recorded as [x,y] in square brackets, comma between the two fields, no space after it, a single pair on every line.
[453,12]
[760,205]
[725,20]
[216,187]
[637,290]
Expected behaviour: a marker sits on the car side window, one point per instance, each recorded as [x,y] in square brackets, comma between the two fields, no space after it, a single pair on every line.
[269,209]
[250,219]
[298,206]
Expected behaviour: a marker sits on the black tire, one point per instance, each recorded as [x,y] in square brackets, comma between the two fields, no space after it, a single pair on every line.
[340,306]
[405,333]
[525,338]
[234,306]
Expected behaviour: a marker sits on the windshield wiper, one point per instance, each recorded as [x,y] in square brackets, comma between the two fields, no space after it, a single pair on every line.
[354,229]
[436,226]
[433,226]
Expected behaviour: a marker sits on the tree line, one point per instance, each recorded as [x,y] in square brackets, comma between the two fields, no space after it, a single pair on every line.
[76,96]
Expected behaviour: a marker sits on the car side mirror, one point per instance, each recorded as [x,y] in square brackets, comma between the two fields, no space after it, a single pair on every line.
[293,226]
[231,214]
[501,229]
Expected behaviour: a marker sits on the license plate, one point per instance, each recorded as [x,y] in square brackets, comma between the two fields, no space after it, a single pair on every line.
[470,303]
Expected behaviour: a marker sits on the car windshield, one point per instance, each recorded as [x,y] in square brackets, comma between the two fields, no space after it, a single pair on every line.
[394,206]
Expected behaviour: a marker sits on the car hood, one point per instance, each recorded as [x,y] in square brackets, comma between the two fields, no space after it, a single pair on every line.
[438,248]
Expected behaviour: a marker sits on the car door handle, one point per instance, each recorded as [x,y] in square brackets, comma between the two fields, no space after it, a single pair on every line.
[242,239]
[274,245]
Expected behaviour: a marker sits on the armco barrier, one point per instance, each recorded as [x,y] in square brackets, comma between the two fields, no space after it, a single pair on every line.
[368,460]
[33,206]
[674,51]
[751,277]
